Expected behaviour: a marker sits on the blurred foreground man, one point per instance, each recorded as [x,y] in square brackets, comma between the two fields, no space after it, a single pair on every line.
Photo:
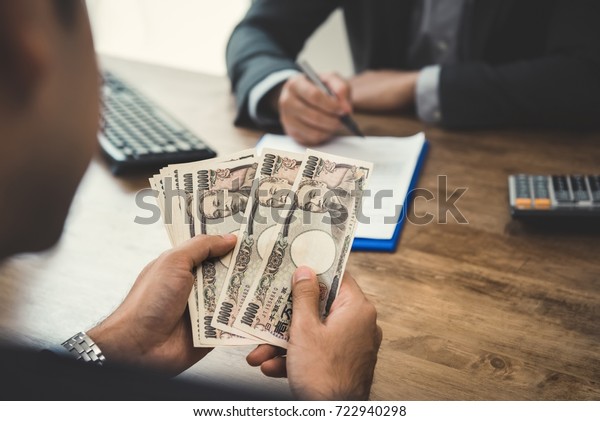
[49,109]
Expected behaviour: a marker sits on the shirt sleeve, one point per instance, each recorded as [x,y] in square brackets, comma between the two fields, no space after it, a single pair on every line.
[427,95]
[258,112]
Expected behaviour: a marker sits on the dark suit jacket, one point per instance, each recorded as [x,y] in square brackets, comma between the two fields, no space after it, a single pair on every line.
[522,62]
[33,375]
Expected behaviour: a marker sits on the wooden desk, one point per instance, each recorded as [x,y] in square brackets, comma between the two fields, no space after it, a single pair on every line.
[493,309]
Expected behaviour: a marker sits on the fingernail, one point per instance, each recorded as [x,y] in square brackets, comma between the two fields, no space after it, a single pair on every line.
[230,237]
[303,274]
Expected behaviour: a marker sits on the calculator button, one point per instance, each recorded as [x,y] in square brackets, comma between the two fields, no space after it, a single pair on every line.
[522,192]
[561,188]
[540,187]
[594,182]
[542,204]
[580,193]
[541,192]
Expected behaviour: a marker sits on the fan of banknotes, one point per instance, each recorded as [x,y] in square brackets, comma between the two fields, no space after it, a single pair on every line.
[287,210]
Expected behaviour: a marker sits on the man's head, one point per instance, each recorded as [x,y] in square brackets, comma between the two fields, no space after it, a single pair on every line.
[222,203]
[312,195]
[316,197]
[274,192]
[49,109]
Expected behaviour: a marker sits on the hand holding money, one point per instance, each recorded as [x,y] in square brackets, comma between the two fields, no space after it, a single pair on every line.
[331,359]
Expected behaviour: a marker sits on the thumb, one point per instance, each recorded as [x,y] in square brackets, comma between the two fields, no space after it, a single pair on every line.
[305,295]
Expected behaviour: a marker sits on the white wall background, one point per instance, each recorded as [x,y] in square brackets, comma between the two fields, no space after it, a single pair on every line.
[192,34]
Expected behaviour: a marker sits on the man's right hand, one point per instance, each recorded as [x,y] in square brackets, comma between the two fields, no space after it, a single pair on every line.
[332,359]
[309,115]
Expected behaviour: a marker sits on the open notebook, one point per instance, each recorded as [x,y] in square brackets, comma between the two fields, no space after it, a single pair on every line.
[397,162]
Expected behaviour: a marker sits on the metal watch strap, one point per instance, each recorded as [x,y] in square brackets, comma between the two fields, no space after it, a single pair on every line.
[82,347]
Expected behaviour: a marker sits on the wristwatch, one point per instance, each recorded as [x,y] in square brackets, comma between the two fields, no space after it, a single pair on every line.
[82,347]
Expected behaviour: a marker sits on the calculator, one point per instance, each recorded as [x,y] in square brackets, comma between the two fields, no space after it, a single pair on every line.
[554,195]
[136,135]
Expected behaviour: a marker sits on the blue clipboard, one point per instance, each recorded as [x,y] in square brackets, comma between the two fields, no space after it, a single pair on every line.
[369,244]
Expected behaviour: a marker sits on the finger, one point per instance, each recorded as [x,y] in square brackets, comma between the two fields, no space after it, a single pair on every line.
[305,296]
[341,88]
[263,353]
[201,247]
[319,121]
[379,336]
[315,118]
[305,135]
[312,95]
[350,286]
[275,367]
[350,292]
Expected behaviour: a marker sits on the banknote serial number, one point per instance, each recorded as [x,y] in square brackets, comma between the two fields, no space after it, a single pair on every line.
[374,411]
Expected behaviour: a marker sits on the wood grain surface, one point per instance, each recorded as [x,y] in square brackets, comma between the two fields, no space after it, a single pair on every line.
[493,309]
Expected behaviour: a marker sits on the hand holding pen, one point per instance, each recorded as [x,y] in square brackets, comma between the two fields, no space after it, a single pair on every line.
[346,118]
[311,115]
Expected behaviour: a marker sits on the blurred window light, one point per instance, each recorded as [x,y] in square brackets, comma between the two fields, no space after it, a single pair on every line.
[186,34]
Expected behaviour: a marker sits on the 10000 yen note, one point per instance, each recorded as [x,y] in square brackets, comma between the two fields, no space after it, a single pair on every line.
[318,233]
[221,194]
[269,202]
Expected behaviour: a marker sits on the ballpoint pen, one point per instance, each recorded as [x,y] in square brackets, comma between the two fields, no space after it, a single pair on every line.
[346,119]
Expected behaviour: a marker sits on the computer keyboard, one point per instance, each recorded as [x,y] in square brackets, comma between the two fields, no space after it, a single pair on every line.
[136,135]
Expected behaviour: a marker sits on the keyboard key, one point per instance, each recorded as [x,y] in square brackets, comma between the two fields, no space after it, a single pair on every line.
[183,146]
[114,138]
[168,121]
[116,153]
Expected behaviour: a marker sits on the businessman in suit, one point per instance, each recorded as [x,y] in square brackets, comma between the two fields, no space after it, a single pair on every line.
[49,109]
[460,63]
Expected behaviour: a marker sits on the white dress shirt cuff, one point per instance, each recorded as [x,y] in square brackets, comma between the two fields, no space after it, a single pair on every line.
[427,95]
[261,89]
